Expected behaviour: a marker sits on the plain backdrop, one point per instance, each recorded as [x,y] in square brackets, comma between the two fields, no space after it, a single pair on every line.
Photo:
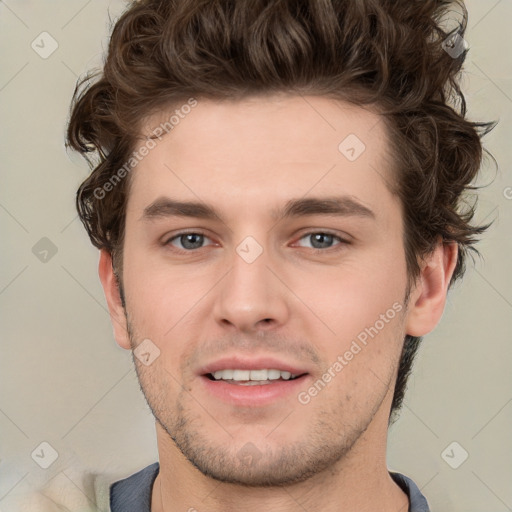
[64,381]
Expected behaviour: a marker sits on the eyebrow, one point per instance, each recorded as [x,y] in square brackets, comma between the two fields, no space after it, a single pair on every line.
[339,206]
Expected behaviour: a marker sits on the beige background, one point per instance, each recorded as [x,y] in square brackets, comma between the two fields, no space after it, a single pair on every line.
[66,382]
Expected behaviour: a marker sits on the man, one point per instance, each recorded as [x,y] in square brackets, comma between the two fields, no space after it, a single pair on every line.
[277,206]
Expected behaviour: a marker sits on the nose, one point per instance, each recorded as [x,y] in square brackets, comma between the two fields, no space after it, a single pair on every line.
[252,296]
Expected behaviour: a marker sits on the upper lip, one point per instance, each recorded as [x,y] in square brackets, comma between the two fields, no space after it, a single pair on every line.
[255,363]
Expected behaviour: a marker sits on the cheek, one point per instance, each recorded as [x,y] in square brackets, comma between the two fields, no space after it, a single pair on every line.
[162,298]
[352,296]
[361,357]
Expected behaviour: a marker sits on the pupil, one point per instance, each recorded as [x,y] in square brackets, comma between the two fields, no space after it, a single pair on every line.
[185,239]
[321,236]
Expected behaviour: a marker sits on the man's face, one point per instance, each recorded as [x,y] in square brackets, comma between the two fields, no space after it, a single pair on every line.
[320,295]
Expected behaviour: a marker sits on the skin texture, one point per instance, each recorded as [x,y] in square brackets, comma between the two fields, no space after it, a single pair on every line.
[247,158]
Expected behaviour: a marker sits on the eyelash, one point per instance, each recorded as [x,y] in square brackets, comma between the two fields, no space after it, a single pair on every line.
[308,234]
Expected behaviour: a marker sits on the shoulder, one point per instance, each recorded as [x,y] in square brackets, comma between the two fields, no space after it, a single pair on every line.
[134,493]
[80,492]
[418,502]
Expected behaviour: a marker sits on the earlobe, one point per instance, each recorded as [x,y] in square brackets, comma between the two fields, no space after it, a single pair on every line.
[428,299]
[113,297]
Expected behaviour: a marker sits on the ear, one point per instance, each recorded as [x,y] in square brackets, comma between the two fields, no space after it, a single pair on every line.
[427,301]
[115,306]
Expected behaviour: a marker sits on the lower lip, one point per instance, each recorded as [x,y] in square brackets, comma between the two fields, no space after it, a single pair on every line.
[253,395]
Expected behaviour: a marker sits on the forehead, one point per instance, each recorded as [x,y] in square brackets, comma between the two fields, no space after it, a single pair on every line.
[262,151]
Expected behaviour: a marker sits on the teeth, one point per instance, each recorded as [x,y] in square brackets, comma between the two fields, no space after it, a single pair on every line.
[240,375]
[273,374]
[252,375]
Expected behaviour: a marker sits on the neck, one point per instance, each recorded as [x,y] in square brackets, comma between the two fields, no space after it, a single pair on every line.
[359,482]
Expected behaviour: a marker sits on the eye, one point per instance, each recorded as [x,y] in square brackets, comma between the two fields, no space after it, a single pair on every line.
[320,240]
[187,241]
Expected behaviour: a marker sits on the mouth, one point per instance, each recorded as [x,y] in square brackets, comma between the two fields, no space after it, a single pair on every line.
[252,383]
[262,377]
[257,381]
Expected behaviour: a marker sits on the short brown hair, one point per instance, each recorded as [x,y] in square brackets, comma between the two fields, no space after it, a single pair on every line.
[390,55]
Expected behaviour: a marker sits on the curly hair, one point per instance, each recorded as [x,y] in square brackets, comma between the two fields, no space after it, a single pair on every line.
[392,56]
